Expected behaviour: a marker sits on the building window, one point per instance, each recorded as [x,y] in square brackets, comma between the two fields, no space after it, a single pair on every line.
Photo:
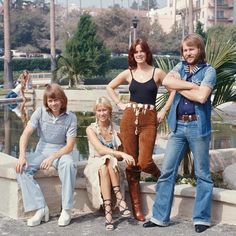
[203,14]
[220,14]
[220,2]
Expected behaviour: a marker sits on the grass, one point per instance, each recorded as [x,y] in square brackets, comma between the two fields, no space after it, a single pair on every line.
[186,179]
[3,92]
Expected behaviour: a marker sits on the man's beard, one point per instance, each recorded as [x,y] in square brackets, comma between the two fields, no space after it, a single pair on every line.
[194,62]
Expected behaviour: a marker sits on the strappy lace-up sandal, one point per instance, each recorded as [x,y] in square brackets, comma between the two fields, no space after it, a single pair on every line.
[108,212]
[121,204]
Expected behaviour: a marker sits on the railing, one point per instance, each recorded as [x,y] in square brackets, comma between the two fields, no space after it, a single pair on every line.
[40,79]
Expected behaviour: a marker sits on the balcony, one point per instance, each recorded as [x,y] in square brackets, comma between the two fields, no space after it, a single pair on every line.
[220,19]
[220,5]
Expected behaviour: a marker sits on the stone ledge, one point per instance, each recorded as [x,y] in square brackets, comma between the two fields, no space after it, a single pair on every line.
[224,201]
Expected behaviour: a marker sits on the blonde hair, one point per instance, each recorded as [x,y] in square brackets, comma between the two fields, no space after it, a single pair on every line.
[105,102]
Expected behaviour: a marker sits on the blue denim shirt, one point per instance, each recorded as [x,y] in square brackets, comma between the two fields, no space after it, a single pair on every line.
[206,77]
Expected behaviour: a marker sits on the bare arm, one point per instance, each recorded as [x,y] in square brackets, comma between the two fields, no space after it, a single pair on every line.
[159,77]
[24,139]
[197,95]
[103,150]
[173,81]
[122,78]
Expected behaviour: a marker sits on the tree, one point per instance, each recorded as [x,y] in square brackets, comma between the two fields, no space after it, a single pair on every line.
[85,54]
[52,37]
[156,38]
[113,27]
[225,31]
[149,4]
[134,5]
[199,30]
[8,75]
[30,27]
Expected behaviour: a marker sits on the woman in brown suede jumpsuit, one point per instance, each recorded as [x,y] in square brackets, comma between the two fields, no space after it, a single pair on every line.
[139,123]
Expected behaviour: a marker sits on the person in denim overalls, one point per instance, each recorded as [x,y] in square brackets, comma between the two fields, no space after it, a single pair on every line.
[56,147]
[190,124]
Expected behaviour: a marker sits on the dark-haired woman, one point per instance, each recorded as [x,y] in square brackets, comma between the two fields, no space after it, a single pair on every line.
[56,147]
[140,119]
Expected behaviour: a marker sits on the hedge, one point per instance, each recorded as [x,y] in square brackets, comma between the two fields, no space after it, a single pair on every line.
[33,64]
[30,64]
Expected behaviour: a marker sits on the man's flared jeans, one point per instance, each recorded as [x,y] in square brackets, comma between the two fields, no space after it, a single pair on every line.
[186,135]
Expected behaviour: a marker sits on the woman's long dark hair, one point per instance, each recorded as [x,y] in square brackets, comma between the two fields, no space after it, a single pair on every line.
[143,44]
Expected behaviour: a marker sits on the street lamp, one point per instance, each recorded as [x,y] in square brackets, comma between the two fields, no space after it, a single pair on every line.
[181,13]
[135,21]
[130,36]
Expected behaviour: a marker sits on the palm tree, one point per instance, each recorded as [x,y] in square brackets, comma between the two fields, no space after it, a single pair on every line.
[221,55]
[68,68]
[52,37]
[8,76]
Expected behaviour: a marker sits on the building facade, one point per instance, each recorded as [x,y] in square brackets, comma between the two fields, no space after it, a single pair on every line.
[208,12]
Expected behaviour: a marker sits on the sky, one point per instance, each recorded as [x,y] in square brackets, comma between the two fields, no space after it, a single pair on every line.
[105,3]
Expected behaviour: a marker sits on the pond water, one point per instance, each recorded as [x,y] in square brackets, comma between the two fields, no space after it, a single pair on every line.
[13,119]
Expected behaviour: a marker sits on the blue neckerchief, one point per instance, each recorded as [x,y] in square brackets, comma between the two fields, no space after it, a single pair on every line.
[198,67]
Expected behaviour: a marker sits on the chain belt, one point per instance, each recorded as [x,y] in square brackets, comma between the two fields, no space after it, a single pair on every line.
[139,108]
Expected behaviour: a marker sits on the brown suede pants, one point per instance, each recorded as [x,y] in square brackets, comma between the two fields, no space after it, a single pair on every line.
[140,146]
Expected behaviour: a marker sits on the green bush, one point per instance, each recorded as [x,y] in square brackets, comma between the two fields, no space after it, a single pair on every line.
[30,64]
[118,63]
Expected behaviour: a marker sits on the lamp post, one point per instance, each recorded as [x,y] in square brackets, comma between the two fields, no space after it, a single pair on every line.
[135,24]
[181,13]
[130,36]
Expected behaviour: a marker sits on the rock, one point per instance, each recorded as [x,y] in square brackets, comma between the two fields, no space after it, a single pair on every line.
[229,176]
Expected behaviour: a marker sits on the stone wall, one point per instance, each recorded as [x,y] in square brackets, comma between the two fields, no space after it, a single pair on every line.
[224,201]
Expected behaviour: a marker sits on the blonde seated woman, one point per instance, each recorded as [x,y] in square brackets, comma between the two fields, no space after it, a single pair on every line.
[102,171]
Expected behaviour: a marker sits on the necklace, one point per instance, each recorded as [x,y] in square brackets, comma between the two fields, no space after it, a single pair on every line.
[104,129]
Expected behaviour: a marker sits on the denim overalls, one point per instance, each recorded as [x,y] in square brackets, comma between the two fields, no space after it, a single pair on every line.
[53,133]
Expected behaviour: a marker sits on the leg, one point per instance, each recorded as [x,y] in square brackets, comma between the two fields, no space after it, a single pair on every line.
[67,170]
[175,150]
[147,138]
[130,144]
[115,181]
[202,206]
[133,176]
[106,194]
[32,195]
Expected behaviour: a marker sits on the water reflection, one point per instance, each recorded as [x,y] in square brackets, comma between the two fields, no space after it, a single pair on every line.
[14,119]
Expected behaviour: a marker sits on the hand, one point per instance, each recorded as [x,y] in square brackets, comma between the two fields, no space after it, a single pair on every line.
[121,105]
[45,165]
[161,115]
[21,163]
[128,159]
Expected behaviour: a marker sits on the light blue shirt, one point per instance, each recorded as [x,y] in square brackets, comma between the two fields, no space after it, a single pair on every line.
[51,129]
